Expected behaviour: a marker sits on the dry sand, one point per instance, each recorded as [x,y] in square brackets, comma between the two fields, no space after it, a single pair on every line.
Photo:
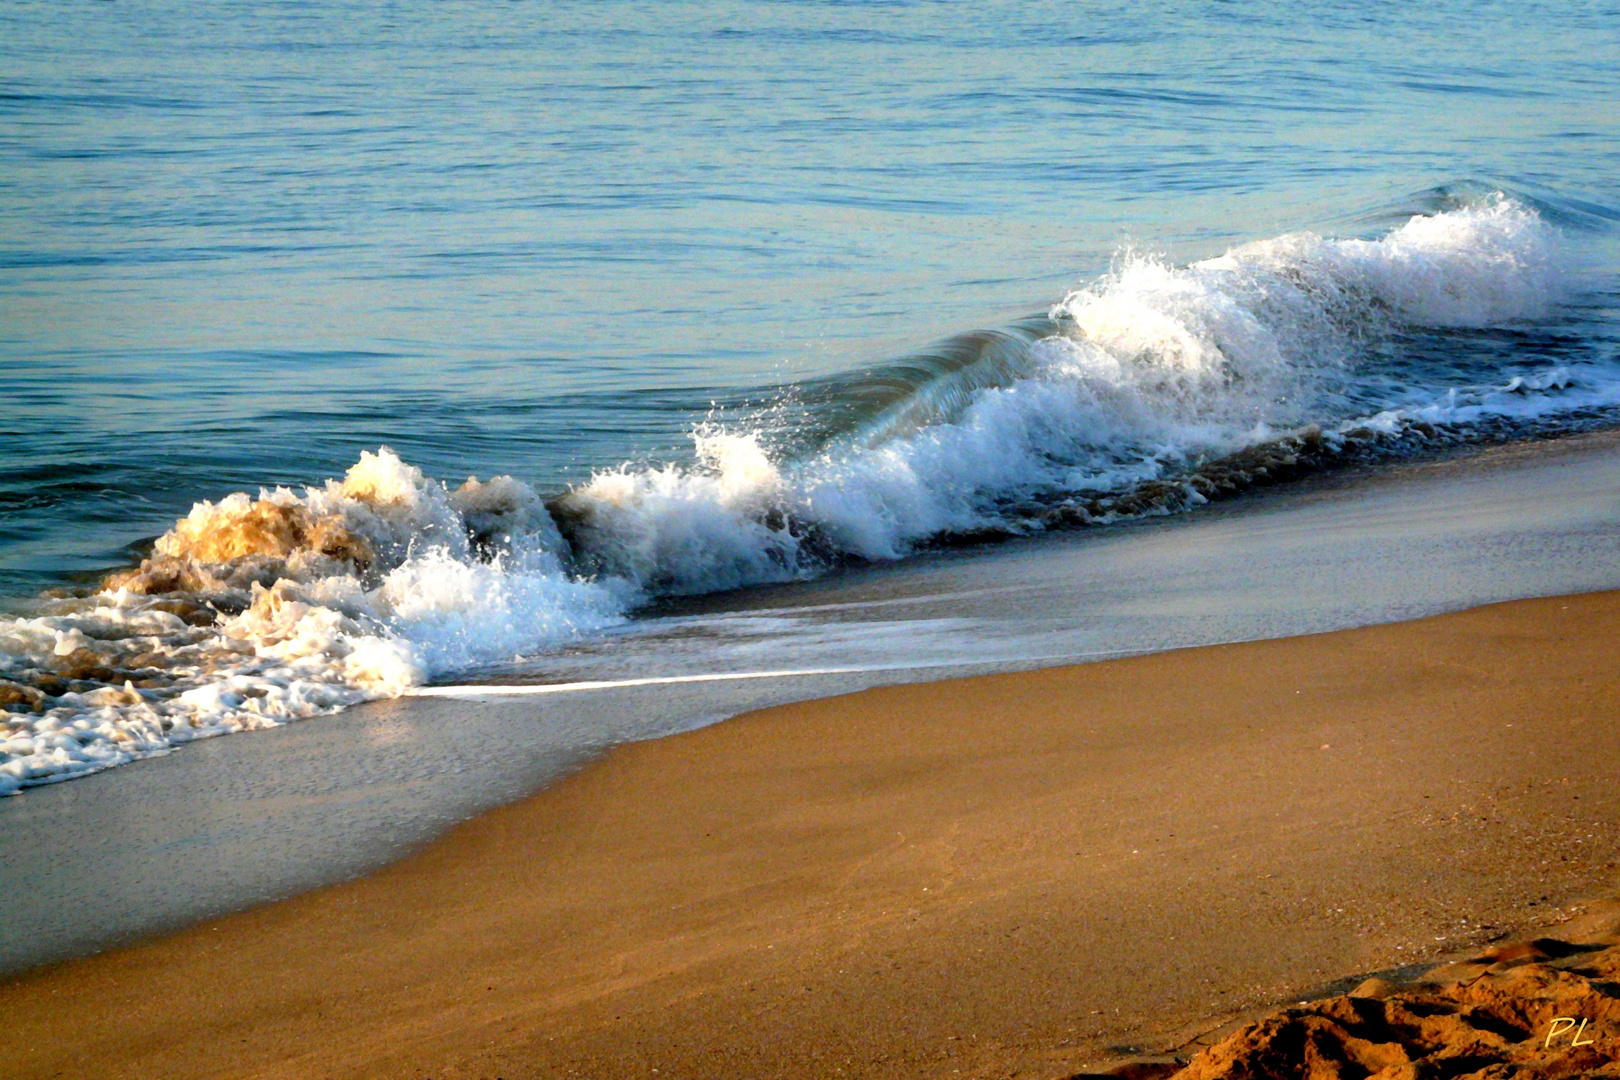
[1008,875]
[1547,1009]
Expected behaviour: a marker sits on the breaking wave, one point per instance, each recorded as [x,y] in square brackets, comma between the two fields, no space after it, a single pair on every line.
[1153,389]
[250,613]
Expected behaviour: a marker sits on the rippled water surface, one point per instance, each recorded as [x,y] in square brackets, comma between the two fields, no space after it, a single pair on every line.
[911,273]
[244,241]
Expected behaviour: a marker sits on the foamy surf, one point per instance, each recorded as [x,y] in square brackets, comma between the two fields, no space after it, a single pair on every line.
[1153,374]
[254,612]
[1154,388]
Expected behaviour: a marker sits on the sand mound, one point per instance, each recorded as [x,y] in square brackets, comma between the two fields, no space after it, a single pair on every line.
[1497,1025]
[1547,1008]
[1542,1009]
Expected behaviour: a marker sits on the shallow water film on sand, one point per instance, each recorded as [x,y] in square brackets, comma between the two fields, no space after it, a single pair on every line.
[668,288]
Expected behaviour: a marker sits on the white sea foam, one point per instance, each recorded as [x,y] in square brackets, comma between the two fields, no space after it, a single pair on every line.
[1158,367]
[253,612]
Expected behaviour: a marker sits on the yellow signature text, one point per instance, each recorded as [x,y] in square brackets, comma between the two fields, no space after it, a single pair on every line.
[1562,1024]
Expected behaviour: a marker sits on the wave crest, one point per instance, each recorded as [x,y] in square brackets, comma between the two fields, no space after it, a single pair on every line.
[1152,389]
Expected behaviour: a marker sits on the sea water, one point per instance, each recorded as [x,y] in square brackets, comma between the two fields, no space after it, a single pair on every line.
[344,351]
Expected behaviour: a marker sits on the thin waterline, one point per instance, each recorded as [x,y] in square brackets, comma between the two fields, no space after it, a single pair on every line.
[482,690]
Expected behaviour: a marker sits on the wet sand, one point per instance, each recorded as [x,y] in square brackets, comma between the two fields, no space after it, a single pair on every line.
[1023,874]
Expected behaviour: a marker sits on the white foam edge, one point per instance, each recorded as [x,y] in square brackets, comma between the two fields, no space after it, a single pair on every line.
[477,691]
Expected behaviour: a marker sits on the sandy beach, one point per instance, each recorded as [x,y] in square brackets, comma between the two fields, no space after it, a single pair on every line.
[1029,874]
[740,541]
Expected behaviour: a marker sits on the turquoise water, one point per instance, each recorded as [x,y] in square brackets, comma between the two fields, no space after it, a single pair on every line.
[243,241]
[243,244]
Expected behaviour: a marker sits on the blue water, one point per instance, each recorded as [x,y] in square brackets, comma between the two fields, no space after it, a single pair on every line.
[242,243]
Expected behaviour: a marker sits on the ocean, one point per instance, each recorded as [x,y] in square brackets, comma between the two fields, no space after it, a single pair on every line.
[351,351]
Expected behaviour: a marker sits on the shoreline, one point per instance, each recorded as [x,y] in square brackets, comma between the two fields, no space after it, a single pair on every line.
[1026,871]
[226,824]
